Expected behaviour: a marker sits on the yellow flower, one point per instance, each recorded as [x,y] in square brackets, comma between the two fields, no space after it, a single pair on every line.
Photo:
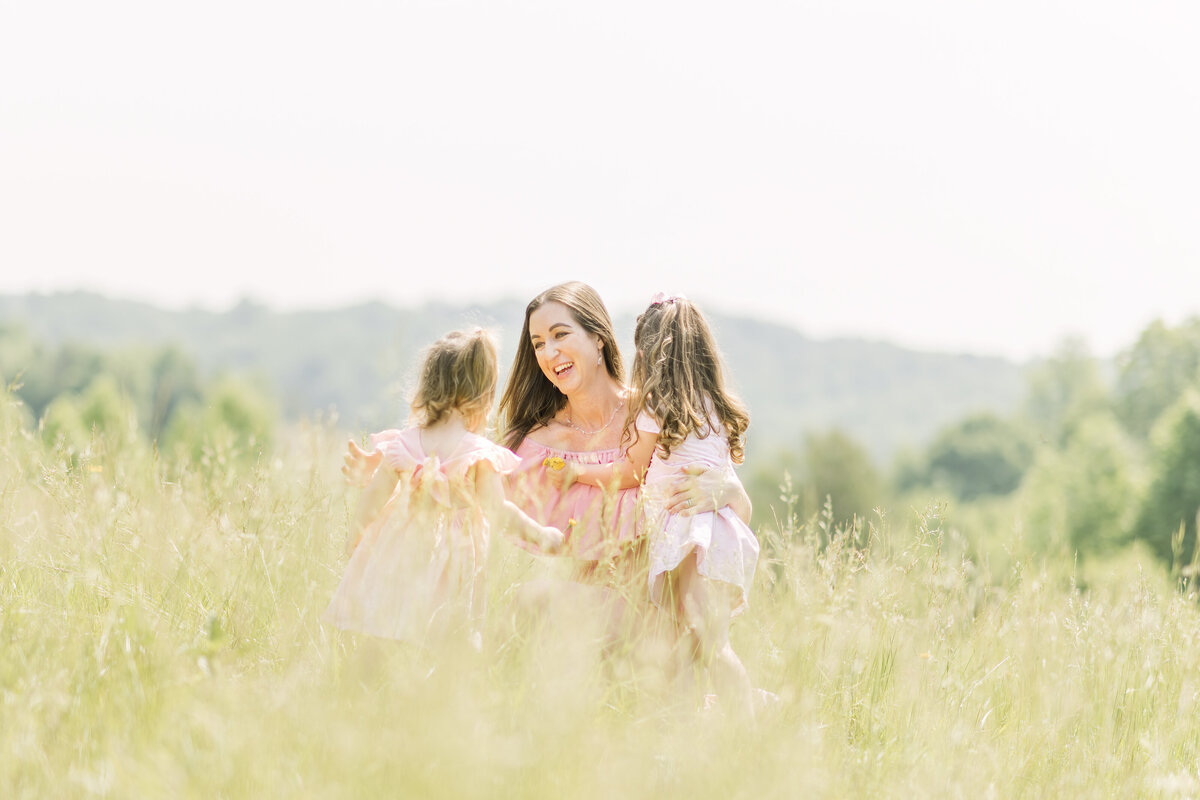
[554,462]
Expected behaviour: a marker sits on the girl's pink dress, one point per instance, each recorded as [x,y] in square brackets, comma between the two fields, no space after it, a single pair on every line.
[416,570]
[726,549]
[598,523]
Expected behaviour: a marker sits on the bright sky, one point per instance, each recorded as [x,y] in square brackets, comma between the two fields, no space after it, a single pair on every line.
[944,174]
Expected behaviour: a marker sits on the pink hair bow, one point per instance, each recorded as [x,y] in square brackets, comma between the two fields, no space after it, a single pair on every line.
[659,298]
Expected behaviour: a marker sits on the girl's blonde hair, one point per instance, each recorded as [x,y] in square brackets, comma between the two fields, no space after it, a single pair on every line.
[529,398]
[677,372]
[459,373]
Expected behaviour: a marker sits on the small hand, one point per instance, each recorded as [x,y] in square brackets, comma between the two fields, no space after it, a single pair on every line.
[359,465]
[553,542]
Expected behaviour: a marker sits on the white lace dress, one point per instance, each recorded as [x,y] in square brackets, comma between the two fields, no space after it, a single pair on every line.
[726,549]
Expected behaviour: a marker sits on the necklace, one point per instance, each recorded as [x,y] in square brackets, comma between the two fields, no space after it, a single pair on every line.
[613,416]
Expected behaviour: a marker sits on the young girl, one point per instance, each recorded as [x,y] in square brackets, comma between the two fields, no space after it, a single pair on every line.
[681,414]
[419,539]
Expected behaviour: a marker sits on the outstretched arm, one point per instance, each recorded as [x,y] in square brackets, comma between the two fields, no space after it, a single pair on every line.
[371,503]
[358,465]
[505,514]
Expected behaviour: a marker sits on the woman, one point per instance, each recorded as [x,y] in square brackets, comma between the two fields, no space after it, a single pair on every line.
[563,403]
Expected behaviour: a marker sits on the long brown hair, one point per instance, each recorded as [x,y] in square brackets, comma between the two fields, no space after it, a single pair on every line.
[529,398]
[458,373]
[677,372]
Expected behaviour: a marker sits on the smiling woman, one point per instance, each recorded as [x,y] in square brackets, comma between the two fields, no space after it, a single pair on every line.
[560,406]
[557,339]
[567,329]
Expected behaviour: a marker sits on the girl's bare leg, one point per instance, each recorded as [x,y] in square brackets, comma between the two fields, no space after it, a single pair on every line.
[682,662]
[706,611]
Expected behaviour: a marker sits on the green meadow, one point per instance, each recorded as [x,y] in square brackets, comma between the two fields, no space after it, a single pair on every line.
[160,636]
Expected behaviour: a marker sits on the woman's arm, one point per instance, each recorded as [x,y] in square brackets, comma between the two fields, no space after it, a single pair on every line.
[707,489]
[624,473]
[371,503]
[505,514]
[737,498]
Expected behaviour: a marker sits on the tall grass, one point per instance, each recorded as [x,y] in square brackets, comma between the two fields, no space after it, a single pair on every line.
[160,637]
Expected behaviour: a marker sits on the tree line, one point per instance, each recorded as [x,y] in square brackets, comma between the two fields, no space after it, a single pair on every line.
[80,398]
[1097,456]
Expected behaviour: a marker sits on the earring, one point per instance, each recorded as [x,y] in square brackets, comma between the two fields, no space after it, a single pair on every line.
[599,358]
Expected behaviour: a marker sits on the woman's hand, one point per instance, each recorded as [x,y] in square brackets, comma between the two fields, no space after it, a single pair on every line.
[559,472]
[702,488]
[358,465]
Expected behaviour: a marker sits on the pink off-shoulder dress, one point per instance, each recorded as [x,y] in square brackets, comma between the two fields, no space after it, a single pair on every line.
[416,570]
[599,524]
[725,547]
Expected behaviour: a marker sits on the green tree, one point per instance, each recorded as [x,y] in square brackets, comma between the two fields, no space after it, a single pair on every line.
[909,469]
[829,464]
[837,466]
[106,408]
[1173,497]
[1063,389]
[981,455]
[107,412]
[62,425]
[763,481]
[173,382]
[18,352]
[47,374]
[235,417]
[1153,373]
[1083,497]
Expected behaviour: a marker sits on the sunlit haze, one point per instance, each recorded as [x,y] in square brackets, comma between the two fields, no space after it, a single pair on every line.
[943,175]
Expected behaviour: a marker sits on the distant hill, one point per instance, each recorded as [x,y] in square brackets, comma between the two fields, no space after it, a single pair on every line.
[359,360]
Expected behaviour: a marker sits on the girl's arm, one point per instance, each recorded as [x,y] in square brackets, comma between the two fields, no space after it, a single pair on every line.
[505,514]
[358,465]
[625,473]
[479,547]
[373,498]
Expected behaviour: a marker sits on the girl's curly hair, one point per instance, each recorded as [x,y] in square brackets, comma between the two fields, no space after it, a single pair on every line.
[458,374]
[679,379]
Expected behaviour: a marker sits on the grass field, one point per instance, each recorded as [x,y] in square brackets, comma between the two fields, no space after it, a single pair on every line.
[160,637]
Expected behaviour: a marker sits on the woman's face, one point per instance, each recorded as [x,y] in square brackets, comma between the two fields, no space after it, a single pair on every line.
[565,350]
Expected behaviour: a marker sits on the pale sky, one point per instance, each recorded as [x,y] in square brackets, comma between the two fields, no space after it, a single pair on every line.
[946,175]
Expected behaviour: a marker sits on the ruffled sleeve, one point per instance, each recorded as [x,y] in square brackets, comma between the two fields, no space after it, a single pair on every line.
[383,437]
[398,451]
[647,423]
[503,460]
